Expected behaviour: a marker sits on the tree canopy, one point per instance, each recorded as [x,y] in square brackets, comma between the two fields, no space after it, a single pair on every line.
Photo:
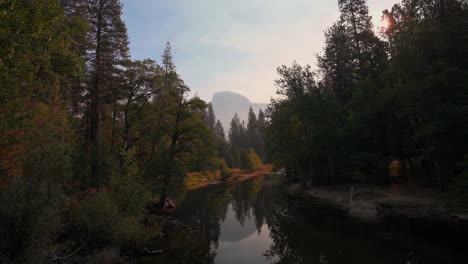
[399,94]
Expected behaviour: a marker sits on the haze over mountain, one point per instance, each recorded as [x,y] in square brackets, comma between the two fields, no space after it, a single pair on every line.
[226,104]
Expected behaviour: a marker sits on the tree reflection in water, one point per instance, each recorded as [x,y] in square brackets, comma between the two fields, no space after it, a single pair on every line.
[251,222]
[240,210]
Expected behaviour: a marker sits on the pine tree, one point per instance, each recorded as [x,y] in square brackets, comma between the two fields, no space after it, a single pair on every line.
[170,77]
[211,118]
[235,131]
[109,50]
[261,127]
[221,143]
[219,131]
[251,132]
[355,14]
[369,50]
[337,63]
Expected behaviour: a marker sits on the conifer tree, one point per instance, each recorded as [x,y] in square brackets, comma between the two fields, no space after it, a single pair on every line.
[355,14]
[251,132]
[261,127]
[337,63]
[219,131]
[369,52]
[211,118]
[236,131]
[109,50]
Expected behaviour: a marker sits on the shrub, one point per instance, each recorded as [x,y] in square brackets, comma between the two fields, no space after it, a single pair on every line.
[116,216]
[32,202]
[96,217]
[223,168]
[255,160]
[250,160]
[103,223]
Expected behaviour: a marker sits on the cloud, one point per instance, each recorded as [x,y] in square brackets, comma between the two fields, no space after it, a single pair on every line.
[249,38]
[237,45]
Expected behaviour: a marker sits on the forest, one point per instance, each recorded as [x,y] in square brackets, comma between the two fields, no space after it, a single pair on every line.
[398,93]
[88,135]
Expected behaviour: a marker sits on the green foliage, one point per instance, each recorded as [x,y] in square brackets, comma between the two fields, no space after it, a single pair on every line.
[31,204]
[124,127]
[223,168]
[242,137]
[115,216]
[130,126]
[101,223]
[38,58]
[129,190]
[365,108]
[96,217]
[249,159]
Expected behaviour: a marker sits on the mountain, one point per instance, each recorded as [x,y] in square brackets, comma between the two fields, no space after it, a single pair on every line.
[226,104]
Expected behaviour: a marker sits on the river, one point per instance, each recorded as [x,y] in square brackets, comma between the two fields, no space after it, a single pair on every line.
[253,222]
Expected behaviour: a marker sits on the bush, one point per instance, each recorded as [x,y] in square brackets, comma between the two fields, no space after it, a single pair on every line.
[250,160]
[96,217]
[32,203]
[29,214]
[115,217]
[103,223]
[223,168]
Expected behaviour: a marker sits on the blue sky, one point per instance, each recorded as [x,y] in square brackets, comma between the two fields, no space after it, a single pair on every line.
[233,45]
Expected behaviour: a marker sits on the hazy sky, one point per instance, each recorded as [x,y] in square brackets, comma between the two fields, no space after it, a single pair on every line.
[233,45]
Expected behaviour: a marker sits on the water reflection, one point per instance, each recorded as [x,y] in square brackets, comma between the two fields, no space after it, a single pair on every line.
[251,222]
[230,219]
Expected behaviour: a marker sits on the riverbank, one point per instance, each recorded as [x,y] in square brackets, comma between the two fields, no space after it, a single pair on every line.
[197,180]
[402,208]
[253,219]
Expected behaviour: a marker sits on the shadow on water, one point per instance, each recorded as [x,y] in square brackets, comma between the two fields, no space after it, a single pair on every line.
[252,222]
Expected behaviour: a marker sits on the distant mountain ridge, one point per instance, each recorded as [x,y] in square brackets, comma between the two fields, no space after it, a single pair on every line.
[226,104]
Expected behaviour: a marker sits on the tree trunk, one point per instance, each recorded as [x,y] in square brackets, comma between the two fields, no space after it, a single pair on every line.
[94,134]
[95,163]
[168,170]
[114,116]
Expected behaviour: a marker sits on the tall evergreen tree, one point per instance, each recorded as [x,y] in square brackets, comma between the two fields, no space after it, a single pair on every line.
[219,131]
[171,77]
[369,53]
[235,131]
[261,126]
[337,63]
[211,118]
[109,50]
[251,132]
[221,142]
[355,14]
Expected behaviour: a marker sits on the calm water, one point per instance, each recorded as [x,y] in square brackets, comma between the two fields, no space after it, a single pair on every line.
[252,222]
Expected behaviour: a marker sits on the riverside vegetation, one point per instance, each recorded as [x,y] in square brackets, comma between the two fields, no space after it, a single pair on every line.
[88,136]
[396,95]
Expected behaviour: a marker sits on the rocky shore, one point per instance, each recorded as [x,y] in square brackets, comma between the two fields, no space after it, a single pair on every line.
[400,208]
